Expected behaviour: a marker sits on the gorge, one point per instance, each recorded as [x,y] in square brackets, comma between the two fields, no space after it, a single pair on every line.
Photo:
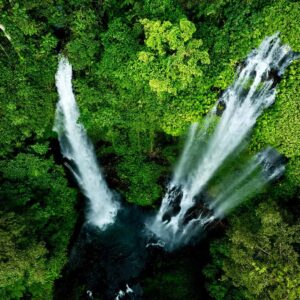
[124,236]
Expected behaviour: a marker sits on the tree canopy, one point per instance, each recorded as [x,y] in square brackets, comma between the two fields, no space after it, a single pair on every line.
[143,72]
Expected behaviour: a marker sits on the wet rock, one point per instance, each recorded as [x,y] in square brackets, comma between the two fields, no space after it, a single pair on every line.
[174,206]
[221,106]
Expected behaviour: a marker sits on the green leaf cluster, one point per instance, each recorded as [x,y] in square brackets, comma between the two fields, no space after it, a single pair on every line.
[260,250]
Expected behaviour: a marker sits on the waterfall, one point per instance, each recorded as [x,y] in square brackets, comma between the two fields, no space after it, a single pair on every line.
[187,206]
[77,148]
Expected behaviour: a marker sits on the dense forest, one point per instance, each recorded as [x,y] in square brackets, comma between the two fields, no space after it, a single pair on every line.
[143,71]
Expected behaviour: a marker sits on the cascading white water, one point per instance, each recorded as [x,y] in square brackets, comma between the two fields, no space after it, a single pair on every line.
[121,294]
[76,147]
[264,167]
[242,103]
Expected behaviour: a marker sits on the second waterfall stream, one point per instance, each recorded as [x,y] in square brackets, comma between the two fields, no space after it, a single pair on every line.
[191,201]
[77,148]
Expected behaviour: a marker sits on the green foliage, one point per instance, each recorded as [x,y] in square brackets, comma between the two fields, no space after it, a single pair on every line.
[280,127]
[141,178]
[172,66]
[179,70]
[25,113]
[260,251]
[161,9]
[154,9]
[37,191]
[84,43]
[23,266]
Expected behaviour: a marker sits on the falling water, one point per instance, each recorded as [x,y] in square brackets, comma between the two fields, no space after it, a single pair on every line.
[76,147]
[187,207]
[122,294]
